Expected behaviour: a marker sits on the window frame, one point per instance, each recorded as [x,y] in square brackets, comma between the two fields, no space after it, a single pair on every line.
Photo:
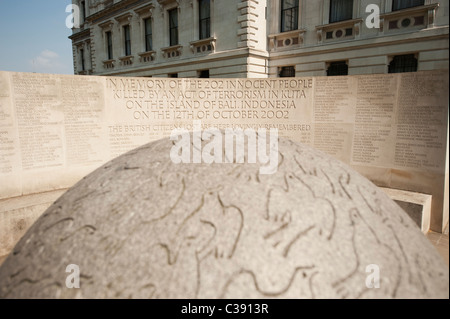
[203,74]
[291,69]
[173,28]
[83,11]
[336,65]
[109,45]
[83,62]
[206,20]
[295,11]
[395,3]
[127,39]
[147,36]
[404,66]
[339,19]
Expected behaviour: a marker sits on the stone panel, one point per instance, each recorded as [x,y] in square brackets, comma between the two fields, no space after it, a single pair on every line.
[391,128]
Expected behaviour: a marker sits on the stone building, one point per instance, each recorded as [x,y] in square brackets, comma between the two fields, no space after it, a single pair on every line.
[259,38]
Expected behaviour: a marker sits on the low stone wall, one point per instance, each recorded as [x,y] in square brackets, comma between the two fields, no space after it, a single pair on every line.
[392,128]
[416,205]
[19,213]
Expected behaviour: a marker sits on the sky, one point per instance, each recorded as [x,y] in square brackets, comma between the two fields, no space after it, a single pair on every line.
[34,36]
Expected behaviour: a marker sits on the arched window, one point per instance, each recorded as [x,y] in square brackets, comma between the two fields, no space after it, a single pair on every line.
[403,63]
[287,72]
[337,68]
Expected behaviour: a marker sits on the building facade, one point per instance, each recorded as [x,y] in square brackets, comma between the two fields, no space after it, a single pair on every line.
[259,38]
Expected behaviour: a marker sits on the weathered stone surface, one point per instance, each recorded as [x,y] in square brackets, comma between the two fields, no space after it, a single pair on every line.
[143,227]
[19,213]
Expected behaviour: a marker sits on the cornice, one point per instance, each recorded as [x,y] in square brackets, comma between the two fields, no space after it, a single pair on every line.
[116,8]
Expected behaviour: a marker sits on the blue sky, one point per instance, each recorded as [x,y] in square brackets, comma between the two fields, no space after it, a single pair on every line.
[33,36]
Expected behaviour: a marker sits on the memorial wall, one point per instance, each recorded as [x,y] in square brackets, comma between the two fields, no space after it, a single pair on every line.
[392,128]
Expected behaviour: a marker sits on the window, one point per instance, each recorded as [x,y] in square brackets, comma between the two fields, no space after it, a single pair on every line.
[83,66]
[173,75]
[173,26]
[403,63]
[148,34]
[126,33]
[109,45]
[83,11]
[287,72]
[289,15]
[403,4]
[205,18]
[341,10]
[337,68]
[203,74]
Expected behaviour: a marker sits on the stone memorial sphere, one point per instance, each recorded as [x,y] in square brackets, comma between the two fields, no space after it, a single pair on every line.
[142,226]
